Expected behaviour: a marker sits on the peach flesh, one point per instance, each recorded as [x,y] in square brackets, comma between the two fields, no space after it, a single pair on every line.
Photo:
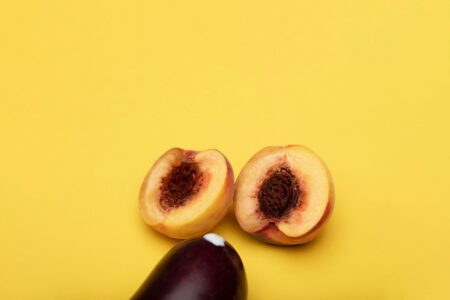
[272,235]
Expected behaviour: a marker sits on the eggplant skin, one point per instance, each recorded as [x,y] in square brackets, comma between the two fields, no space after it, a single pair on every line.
[196,269]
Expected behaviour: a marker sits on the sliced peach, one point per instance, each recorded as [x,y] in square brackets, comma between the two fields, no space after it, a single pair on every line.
[284,195]
[186,193]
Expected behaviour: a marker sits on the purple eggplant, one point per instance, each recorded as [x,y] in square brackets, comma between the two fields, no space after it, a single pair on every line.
[205,268]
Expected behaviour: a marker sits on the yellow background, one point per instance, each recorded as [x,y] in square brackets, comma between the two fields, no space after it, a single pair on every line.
[92,92]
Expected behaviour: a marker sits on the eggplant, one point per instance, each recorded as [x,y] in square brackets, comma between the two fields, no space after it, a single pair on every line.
[207,268]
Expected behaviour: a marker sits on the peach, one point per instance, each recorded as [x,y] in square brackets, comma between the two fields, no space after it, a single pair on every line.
[187,193]
[284,195]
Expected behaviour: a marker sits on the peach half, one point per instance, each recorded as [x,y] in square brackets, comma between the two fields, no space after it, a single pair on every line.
[186,193]
[284,195]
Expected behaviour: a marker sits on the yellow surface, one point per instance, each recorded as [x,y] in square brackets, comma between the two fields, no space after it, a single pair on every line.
[92,92]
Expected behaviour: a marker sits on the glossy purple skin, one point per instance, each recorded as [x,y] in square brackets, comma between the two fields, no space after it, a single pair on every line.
[196,269]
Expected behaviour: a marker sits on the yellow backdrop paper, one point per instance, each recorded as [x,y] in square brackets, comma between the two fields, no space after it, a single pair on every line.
[92,92]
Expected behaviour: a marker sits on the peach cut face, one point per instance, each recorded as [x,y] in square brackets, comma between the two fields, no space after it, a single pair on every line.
[186,193]
[284,195]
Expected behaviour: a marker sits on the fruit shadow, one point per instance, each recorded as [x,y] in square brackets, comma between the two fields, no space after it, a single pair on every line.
[310,246]
[229,227]
[153,235]
[321,241]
